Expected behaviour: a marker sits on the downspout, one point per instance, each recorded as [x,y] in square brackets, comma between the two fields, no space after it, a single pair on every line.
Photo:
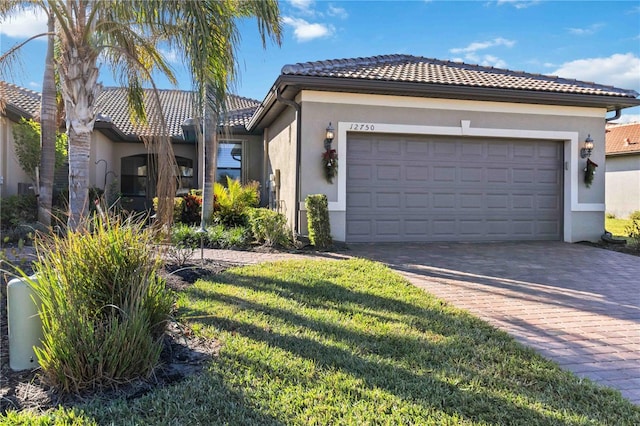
[297,107]
[615,117]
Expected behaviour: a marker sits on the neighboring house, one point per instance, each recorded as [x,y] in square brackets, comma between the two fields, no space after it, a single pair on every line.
[622,178]
[119,156]
[428,150]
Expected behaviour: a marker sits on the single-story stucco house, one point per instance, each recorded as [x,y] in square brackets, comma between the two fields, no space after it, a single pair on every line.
[427,150]
[622,181]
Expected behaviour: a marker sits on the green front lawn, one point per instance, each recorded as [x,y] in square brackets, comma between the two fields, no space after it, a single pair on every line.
[353,343]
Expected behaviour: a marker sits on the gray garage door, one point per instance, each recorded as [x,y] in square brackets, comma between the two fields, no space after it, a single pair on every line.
[405,188]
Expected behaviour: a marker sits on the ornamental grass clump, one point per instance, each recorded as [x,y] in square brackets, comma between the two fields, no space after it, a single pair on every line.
[104,306]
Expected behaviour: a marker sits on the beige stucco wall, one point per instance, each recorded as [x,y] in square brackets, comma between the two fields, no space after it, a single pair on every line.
[10,170]
[584,213]
[623,185]
[281,136]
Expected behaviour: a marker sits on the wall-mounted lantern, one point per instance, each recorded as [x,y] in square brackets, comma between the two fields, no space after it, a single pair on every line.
[328,136]
[585,152]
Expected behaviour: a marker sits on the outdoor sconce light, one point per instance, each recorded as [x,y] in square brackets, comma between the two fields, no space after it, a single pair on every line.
[585,152]
[328,137]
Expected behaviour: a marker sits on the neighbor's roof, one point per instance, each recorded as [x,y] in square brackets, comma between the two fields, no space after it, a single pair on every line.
[407,75]
[417,69]
[112,104]
[177,106]
[623,139]
[23,101]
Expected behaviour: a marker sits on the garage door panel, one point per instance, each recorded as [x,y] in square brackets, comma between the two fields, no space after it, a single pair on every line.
[448,189]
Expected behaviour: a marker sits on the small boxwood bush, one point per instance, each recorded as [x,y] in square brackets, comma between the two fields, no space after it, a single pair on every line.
[318,221]
[635,215]
[269,227]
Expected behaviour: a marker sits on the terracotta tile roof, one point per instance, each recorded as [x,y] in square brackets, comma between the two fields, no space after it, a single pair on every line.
[177,105]
[24,100]
[112,103]
[623,138]
[417,69]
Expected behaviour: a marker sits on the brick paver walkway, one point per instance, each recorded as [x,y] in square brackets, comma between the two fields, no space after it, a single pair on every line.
[574,304]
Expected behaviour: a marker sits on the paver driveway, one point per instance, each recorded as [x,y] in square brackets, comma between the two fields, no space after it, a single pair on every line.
[574,304]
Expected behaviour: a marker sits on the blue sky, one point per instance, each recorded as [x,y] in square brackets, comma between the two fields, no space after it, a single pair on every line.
[595,41]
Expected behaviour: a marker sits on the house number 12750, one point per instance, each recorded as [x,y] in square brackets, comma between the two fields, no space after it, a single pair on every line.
[362,127]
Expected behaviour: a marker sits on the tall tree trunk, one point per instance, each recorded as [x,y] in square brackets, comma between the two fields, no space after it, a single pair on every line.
[210,144]
[48,131]
[80,90]
[79,150]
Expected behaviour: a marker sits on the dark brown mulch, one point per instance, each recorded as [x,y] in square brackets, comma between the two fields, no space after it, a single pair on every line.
[183,355]
[620,248]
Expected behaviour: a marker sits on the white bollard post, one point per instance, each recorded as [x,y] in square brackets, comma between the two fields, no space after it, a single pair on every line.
[24,323]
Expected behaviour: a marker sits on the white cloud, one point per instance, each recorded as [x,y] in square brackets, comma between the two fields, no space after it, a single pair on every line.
[475,46]
[337,12]
[302,4]
[25,24]
[484,60]
[170,55]
[471,54]
[34,85]
[305,31]
[620,70]
[591,29]
[518,4]
[627,118]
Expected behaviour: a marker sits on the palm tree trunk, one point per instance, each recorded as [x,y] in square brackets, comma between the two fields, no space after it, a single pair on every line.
[79,149]
[210,163]
[48,130]
[80,91]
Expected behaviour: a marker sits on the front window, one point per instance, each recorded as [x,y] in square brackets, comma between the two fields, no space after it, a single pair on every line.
[134,176]
[229,161]
[184,174]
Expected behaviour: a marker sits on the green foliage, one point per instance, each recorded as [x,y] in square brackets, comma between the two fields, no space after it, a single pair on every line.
[186,208]
[318,220]
[104,306]
[26,136]
[23,233]
[609,215]
[216,236]
[59,417]
[635,215]
[184,235]
[269,227]
[633,231]
[18,210]
[178,208]
[232,202]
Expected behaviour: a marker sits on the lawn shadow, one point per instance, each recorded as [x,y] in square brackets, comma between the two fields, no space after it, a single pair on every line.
[411,368]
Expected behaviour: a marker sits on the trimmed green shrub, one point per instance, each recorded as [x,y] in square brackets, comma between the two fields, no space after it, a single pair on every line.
[18,210]
[635,215]
[269,227]
[610,215]
[318,220]
[232,202]
[104,306]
